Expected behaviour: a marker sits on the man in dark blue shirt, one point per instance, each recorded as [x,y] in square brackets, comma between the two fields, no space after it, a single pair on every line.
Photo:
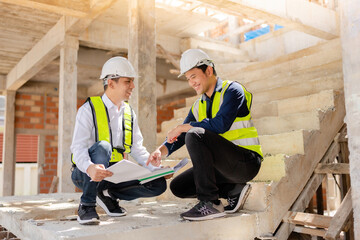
[222,142]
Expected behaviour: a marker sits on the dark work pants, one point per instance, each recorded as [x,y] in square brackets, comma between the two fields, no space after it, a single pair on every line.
[218,166]
[100,153]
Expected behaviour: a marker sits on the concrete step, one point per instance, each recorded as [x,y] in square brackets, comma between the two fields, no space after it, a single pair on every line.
[288,76]
[318,101]
[165,127]
[272,168]
[289,143]
[319,55]
[287,123]
[181,112]
[332,82]
[321,100]
[49,217]
[319,48]
[300,167]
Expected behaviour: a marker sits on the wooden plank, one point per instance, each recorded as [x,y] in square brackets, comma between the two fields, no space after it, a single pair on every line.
[333,168]
[308,219]
[9,145]
[41,159]
[340,218]
[69,8]
[54,184]
[310,231]
[168,56]
[315,20]
[6,235]
[308,192]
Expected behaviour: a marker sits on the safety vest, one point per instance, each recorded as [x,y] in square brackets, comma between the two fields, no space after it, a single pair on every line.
[242,132]
[103,130]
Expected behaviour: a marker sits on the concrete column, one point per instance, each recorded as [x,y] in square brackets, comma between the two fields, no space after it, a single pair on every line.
[142,54]
[9,147]
[233,25]
[67,110]
[350,41]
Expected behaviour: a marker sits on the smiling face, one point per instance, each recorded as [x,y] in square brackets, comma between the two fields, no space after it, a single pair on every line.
[201,82]
[120,90]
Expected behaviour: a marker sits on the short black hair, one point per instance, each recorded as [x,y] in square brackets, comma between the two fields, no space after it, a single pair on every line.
[114,79]
[204,67]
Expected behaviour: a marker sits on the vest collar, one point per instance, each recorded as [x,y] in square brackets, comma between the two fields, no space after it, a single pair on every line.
[218,88]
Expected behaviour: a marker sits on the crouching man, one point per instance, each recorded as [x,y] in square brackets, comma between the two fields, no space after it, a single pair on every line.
[221,140]
[106,127]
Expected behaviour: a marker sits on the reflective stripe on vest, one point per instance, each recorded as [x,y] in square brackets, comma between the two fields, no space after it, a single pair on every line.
[242,132]
[103,130]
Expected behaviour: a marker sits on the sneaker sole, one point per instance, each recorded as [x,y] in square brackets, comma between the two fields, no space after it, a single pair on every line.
[93,221]
[208,217]
[243,198]
[103,206]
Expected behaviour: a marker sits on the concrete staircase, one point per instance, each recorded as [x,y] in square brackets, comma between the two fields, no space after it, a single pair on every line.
[298,108]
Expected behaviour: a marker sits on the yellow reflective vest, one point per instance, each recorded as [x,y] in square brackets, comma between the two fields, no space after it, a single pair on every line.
[242,131]
[103,130]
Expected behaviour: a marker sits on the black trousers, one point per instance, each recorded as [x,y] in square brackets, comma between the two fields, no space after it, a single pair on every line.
[218,166]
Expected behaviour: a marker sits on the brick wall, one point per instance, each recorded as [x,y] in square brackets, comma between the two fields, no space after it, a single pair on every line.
[166,112]
[41,112]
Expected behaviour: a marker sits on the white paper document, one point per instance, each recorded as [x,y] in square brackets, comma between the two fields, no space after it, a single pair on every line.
[126,171]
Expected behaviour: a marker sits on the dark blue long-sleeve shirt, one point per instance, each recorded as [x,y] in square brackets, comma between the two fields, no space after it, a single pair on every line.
[234,105]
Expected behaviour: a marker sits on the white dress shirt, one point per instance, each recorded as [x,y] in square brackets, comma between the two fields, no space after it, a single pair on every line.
[84,135]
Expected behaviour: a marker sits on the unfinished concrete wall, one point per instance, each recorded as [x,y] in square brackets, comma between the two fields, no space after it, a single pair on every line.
[350,37]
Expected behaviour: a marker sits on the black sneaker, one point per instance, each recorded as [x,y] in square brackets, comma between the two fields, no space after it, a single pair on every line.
[204,210]
[87,215]
[237,201]
[111,206]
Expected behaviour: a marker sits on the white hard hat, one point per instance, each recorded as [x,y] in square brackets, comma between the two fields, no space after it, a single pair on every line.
[117,67]
[193,58]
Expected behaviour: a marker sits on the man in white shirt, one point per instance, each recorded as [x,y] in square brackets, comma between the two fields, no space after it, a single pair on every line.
[106,127]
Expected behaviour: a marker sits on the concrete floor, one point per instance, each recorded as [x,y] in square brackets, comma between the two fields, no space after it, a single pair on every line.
[53,216]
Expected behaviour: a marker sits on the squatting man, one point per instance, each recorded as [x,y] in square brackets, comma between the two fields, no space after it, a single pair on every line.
[221,140]
[106,129]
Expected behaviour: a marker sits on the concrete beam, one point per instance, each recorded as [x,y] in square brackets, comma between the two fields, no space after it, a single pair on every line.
[210,44]
[47,49]
[50,89]
[67,110]
[350,35]
[9,145]
[142,54]
[113,37]
[68,8]
[297,14]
